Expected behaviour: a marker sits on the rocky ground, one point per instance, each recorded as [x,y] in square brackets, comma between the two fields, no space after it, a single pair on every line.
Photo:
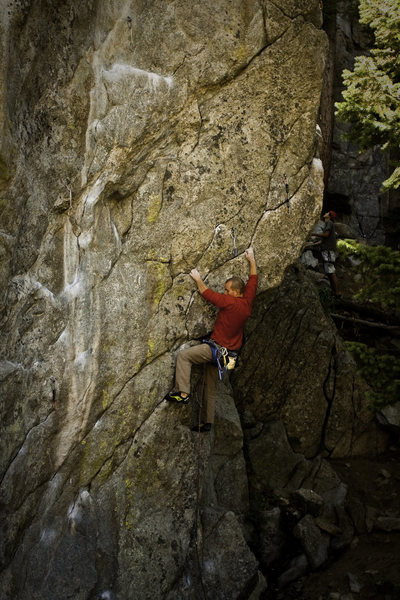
[370,567]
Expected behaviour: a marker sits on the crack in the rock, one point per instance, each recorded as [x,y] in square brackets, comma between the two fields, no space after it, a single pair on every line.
[207,248]
[214,89]
[205,276]
[292,18]
[17,547]
[103,412]
[109,457]
[163,188]
[292,125]
[191,300]
[11,461]
[297,189]
[316,466]
[216,525]
[332,370]
[264,14]
[241,69]
[85,393]
[228,458]
[128,440]
[179,66]
[254,436]
[271,177]
[296,468]
[199,130]
[106,276]
[144,363]
[288,348]
[251,374]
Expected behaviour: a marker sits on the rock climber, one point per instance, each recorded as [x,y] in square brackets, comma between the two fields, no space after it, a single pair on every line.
[234,309]
[328,250]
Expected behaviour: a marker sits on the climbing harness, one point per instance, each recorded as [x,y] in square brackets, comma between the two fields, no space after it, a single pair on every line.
[235,251]
[223,358]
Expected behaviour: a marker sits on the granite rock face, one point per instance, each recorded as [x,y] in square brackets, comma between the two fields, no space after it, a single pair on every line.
[295,368]
[138,140]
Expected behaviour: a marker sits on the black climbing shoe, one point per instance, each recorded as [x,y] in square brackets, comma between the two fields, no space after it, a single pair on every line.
[176,397]
[202,428]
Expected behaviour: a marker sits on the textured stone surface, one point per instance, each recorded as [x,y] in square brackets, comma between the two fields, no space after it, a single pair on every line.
[387,523]
[314,542]
[389,417]
[136,139]
[297,567]
[295,368]
[308,501]
[272,538]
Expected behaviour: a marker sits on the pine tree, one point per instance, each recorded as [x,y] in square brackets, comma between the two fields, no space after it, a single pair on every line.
[372,90]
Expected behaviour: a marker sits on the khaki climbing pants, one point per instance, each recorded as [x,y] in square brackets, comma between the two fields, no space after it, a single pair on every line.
[198,355]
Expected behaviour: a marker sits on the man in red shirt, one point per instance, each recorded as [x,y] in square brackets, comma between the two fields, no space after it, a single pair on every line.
[235,308]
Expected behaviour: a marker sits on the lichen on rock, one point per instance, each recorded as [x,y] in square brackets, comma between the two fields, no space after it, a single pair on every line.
[137,137]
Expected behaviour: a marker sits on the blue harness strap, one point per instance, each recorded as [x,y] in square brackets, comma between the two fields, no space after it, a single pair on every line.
[221,357]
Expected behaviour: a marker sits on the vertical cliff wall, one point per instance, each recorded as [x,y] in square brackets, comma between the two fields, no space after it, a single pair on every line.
[353,179]
[139,139]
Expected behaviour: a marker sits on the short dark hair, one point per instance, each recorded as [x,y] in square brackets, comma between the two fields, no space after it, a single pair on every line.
[237,283]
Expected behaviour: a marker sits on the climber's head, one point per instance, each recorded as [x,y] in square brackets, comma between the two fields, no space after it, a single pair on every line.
[330,215]
[234,286]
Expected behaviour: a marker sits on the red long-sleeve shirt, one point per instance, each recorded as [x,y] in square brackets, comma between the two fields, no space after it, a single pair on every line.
[233,314]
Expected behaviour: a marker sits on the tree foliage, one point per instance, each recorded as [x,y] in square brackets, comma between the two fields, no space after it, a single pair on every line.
[372,90]
[380,371]
[379,269]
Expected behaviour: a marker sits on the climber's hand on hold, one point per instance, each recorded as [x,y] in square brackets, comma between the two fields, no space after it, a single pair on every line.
[249,254]
[194,274]
[201,286]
